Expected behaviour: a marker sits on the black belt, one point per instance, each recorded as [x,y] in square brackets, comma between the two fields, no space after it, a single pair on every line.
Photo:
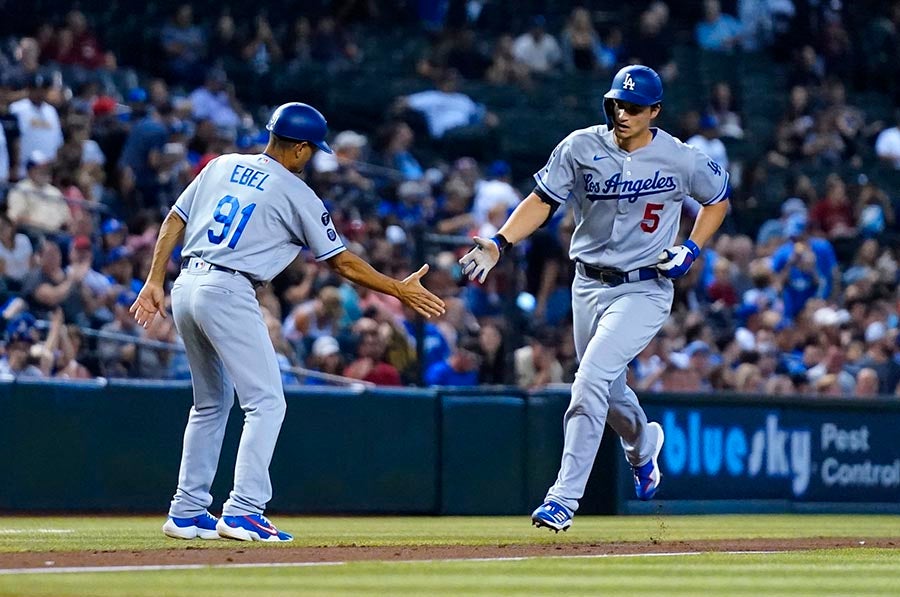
[615,277]
[221,268]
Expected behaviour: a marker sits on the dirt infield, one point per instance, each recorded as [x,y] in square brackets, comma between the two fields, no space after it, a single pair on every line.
[198,555]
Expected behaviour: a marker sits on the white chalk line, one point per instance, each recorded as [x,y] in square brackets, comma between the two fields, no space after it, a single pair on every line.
[30,531]
[164,567]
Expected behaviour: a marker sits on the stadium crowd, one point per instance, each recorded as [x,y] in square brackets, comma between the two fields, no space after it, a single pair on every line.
[93,153]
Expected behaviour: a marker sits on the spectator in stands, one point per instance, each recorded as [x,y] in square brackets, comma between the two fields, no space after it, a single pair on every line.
[824,144]
[39,124]
[887,145]
[142,158]
[707,141]
[505,69]
[319,316]
[718,32]
[119,269]
[77,45]
[225,44]
[580,42]
[535,364]
[98,292]
[394,142]
[809,68]
[216,101]
[493,369]
[867,384]
[774,229]
[874,210]
[466,56]
[21,336]
[184,46]
[120,358]
[331,46]
[807,265]
[49,286]
[748,379]
[298,43]
[325,357]
[445,108]
[537,49]
[612,48]
[34,202]
[15,253]
[722,107]
[68,365]
[262,50]
[832,365]
[461,368]
[833,215]
[652,45]
[494,192]
[370,364]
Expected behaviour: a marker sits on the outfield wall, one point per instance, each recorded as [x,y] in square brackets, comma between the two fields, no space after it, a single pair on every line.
[104,447]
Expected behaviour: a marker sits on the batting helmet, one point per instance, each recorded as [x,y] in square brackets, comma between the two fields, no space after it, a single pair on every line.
[636,84]
[299,122]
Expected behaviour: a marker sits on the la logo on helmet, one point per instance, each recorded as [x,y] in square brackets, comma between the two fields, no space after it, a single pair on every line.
[628,83]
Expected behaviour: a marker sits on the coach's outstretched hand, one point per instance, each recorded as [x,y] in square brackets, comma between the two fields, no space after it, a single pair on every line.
[481,259]
[150,301]
[676,261]
[416,296]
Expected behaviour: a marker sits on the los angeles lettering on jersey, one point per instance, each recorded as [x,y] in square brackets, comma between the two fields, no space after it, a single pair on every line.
[249,177]
[614,188]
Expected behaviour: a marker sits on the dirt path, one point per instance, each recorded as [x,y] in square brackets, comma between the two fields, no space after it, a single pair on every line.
[237,555]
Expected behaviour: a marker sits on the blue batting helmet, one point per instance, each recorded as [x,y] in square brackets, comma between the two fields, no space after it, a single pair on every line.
[635,84]
[299,122]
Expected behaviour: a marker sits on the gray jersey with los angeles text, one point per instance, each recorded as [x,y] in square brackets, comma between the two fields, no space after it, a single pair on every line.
[251,214]
[627,204]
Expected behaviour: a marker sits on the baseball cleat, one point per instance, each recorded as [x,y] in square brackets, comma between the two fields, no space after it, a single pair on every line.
[203,526]
[251,527]
[553,516]
[647,475]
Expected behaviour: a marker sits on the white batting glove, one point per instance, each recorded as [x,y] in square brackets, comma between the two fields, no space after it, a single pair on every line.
[481,259]
[675,262]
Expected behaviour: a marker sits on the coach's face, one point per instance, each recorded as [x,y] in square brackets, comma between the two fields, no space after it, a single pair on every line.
[299,156]
[632,120]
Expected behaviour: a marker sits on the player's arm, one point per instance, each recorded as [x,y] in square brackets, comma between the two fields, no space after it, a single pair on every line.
[151,299]
[708,221]
[409,290]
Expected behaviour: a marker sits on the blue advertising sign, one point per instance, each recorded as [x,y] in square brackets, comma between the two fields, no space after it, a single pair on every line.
[720,452]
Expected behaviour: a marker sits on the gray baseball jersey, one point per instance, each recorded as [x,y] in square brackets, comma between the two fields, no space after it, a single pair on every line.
[249,213]
[627,204]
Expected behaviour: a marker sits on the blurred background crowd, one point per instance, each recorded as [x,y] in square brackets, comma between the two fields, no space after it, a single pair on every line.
[440,112]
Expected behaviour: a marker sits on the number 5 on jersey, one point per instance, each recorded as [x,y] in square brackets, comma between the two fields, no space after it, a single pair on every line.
[225,213]
[651,218]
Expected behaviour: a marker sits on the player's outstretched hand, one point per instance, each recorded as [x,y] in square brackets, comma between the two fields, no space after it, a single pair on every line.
[150,301]
[676,261]
[481,259]
[416,296]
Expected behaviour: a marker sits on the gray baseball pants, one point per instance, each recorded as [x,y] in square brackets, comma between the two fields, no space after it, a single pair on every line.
[612,326]
[228,348]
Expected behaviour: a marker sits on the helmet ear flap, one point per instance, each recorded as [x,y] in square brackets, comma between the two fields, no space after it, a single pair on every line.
[609,107]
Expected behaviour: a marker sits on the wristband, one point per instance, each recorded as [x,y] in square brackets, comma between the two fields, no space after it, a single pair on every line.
[501,242]
[695,250]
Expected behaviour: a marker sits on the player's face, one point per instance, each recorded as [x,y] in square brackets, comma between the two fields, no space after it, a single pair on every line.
[632,120]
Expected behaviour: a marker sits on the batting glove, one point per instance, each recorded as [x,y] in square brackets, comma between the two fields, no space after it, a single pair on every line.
[675,262]
[481,259]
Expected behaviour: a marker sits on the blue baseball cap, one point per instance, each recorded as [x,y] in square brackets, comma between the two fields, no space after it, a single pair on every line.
[19,328]
[117,254]
[695,347]
[112,225]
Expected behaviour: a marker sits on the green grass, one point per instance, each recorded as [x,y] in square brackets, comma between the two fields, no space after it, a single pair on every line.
[821,573]
[127,533]
[853,572]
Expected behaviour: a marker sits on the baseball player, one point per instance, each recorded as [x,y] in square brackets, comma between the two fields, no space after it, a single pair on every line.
[244,219]
[626,182]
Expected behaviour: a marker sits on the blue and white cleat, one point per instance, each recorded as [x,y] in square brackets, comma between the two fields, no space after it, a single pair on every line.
[552,515]
[647,476]
[251,527]
[203,526]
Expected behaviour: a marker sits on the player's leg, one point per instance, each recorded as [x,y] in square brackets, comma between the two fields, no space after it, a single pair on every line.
[233,321]
[641,441]
[205,430]
[626,320]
